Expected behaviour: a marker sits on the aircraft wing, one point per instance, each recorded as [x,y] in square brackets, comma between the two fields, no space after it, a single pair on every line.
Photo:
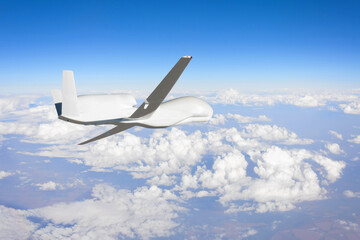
[117,129]
[162,90]
[153,101]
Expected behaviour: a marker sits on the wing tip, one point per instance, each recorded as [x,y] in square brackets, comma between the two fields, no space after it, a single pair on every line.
[187,57]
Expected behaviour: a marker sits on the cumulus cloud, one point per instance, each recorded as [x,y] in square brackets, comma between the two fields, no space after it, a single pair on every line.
[14,103]
[334,148]
[48,186]
[217,119]
[336,134]
[284,178]
[274,133]
[351,194]
[281,178]
[51,185]
[148,212]
[14,224]
[145,213]
[4,174]
[351,108]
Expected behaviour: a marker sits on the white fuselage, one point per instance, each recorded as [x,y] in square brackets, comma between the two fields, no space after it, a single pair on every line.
[104,107]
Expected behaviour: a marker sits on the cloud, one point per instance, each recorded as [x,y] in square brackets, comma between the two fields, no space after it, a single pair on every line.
[279,177]
[228,169]
[284,178]
[217,119]
[351,194]
[351,108]
[348,101]
[148,212]
[14,224]
[245,119]
[145,213]
[334,148]
[338,135]
[273,133]
[76,161]
[51,185]
[13,103]
[333,169]
[248,233]
[48,186]
[348,225]
[4,174]
[355,140]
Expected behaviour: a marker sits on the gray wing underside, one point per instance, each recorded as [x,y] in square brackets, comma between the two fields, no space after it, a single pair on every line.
[162,90]
[153,101]
[117,129]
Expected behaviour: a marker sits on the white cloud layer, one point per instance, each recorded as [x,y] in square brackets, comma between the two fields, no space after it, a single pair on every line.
[14,224]
[347,101]
[280,177]
[351,108]
[148,212]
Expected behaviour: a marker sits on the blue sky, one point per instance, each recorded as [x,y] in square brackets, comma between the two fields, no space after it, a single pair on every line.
[279,159]
[132,44]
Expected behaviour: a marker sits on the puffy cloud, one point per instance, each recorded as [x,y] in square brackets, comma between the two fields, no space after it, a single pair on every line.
[51,185]
[76,161]
[284,178]
[274,133]
[12,103]
[351,108]
[148,212]
[48,186]
[14,224]
[336,134]
[333,168]
[351,194]
[4,174]
[110,214]
[334,148]
[173,157]
[228,169]
[217,119]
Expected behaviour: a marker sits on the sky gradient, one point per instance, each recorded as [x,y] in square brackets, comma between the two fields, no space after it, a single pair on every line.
[133,44]
[279,158]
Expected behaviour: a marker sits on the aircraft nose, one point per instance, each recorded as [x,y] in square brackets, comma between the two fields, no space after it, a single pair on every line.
[204,109]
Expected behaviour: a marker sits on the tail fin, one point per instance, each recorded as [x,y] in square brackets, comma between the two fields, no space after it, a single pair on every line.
[69,96]
[57,97]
